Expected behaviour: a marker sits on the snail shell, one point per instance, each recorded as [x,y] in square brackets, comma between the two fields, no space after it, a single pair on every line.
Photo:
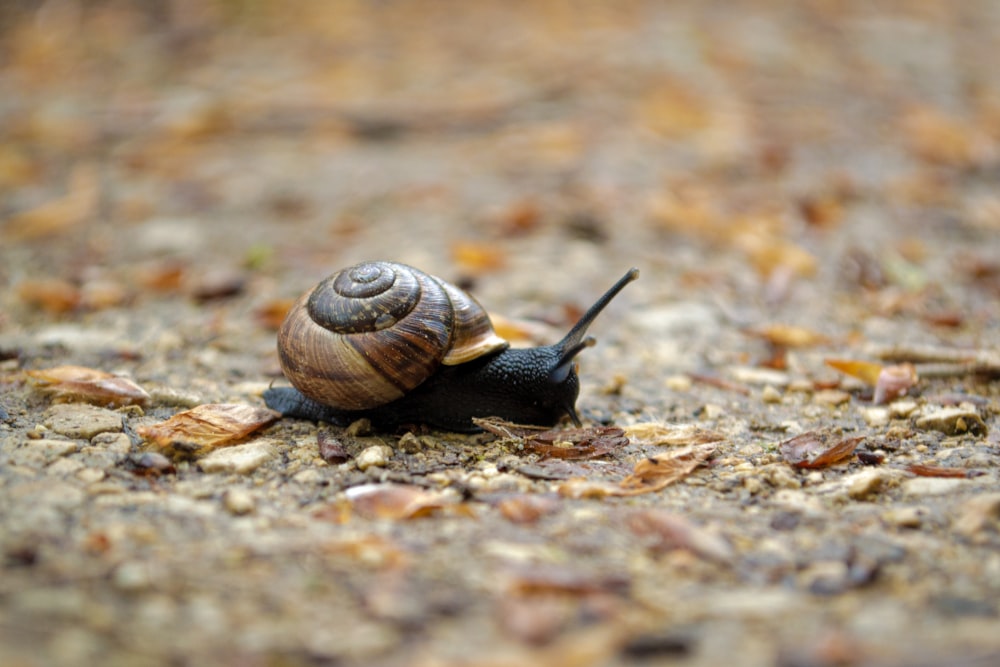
[370,333]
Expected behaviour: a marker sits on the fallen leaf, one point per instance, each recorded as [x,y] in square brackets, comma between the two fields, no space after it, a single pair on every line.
[922,470]
[671,531]
[53,295]
[657,434]
[567,580]
[660,471]
[202,428]
[817,450]
[526,508]
[331,449]
[866,371]
[505,429]
[578,443]
[89,385]
[272,313]
[477,258]
[58,215]
[402,501]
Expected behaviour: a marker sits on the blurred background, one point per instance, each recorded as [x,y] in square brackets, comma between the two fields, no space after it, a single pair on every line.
[531,150]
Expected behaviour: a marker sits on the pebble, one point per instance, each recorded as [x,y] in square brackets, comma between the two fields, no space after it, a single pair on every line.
[79,420]
[906,517]
[902,409]
[770,394]
[758,376]
[64,466]
[932,486]
[38,453]
[238,502]
[832,397]
[975,516]
[875,417]
[952,421]
[865,483]
[376,455]
[240,459]
[132,576]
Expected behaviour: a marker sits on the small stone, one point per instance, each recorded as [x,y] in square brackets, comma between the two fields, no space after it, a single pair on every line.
[758,376]
[902,409]
[410,443]
[932,486]
[78,420]
[132,576]
[173,398]
[240,459]
[952,421]
[117,444]
[831,397]
[38,453]
[238,502]
[770,395]
[377,455]
[875,417]
[359,428]
[865,483]
[975,516]
[308,476]
[90,475]
[64,466]
[678,383]
[906,517]
[712,411]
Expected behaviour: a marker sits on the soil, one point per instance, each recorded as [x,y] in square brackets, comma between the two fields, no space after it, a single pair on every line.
[796,182]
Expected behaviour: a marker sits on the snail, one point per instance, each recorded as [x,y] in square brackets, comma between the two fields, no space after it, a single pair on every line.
[391,343]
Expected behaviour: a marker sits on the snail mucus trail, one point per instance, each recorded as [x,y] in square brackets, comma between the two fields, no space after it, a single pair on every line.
[340,372]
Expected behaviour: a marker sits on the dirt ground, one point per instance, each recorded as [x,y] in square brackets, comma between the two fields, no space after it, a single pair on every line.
[797,183]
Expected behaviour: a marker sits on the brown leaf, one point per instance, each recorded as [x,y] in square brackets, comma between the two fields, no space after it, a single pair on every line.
[208,426]
[272,313]
[660,471]
[922,470]
[505,429]
[477,258]
[566,580]
[672,531]
[578,443]
[817,450]
[526,508]
[89,385]
[61,214]
[656,433]
[401,501]
[786,335]
[52,295]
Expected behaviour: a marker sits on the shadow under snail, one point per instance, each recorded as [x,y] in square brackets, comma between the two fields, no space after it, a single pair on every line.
[391,343]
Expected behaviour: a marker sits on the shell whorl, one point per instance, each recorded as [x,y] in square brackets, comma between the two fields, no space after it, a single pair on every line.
[370,333]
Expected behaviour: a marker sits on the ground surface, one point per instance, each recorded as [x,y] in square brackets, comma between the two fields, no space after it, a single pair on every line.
[171,176]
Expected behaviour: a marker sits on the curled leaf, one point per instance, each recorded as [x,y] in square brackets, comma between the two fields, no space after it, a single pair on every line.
[207,426]
[921,470]
[817,450]
[893,382]
[577,443]
[662,470]
[401,501]
[866,371]
[89,385]
[655,433]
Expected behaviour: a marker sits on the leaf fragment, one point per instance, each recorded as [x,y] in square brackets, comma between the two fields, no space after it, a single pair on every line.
[577,443]
[923,470]
[660,434]
[866,371]
[660,471]
[815,449]
[671,531]
[89,385]
[787,335]
[205,427]
[402,501]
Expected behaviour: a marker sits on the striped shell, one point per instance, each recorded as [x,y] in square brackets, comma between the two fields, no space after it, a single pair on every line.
[370,333]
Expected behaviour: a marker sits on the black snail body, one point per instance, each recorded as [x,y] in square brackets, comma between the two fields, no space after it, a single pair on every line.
[398,346]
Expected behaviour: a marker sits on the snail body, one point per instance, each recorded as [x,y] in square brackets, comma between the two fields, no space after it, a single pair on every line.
[396,345]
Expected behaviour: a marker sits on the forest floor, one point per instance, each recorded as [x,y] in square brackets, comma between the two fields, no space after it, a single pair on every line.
[798,183]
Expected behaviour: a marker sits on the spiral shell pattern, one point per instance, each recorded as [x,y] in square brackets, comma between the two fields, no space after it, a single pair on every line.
[370,333]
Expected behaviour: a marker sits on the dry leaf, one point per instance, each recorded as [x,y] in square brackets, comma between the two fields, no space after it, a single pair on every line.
[505,429]
[477,258]
[401,501]
[272,313]
[817,450]
[866,371]
[656,433]
[53,295]
[922,470]
[59,215]
[672,531]
[659,471]
[786,335]
[577,443]
[89,385]
[207,426]
[526,508]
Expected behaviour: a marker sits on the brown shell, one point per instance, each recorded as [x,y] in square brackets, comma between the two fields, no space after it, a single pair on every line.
[370,333]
